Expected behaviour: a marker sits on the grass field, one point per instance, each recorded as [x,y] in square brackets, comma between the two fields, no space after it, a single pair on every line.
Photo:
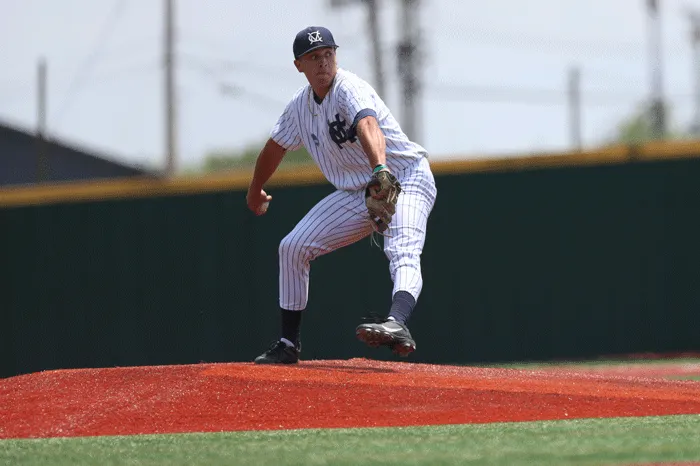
[610,363]
[584,441]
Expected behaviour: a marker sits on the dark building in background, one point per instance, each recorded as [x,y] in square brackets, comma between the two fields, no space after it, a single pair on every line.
[25,159]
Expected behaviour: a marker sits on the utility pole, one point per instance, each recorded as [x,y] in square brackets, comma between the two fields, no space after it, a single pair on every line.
[408,64]
[574,95]
[170,99]
[695,38]
[42,146]
[373,24]
[658,116]
[373,29]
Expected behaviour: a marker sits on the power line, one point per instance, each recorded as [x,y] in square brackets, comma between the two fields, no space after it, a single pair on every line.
[103,37]
[347,40]
[127,48]
[214,66]
[119,50]
[123,50]
[520,40]
[227,88]
[505,94]
[239,91]
[109,75]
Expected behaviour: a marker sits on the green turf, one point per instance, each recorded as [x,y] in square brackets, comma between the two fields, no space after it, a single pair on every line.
[604,363]
[613,363]
[685,377]
[585,441]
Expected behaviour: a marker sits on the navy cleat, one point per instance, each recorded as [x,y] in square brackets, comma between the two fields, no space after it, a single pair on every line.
[376,332]
[280,353]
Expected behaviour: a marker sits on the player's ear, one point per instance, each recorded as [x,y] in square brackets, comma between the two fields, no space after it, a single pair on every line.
[297,63]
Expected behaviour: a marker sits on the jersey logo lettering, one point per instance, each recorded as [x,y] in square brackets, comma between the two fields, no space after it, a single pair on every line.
[339,134]
[315,37]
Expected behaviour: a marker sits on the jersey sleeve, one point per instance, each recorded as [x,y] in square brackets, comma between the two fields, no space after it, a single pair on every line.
[357,100]
[286,131]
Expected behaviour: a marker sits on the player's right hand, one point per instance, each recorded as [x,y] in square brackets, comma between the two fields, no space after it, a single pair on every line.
[258,201]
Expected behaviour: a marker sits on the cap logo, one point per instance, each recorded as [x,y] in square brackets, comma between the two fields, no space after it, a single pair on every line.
[315,37]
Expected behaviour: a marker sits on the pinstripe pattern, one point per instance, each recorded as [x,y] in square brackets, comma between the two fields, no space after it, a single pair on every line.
[341,218]
[407,229]
[346,167]
[338,220]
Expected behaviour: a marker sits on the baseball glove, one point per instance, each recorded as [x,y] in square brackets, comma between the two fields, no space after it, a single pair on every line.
[381,196]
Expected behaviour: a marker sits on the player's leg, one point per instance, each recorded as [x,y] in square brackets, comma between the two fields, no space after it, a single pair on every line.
[408,230]
[403,247]
[336,221]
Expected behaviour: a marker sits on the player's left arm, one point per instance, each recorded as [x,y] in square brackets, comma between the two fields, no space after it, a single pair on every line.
[382,190]
[372,140]
[358,104]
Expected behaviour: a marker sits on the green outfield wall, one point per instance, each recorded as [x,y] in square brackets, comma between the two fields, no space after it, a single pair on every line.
[535,259]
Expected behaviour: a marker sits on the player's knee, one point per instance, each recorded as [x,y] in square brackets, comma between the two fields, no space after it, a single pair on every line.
[291,245]
[398,252]
[399,258]
[286,245]
[295,249]
[413,265]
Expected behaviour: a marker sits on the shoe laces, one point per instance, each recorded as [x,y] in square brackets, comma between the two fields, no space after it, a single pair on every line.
[374,318]
[279,345]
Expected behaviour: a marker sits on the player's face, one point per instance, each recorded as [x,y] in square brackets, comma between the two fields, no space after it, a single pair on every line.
[319,66]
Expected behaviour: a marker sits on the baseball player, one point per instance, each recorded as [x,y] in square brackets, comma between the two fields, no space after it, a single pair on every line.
[384,184]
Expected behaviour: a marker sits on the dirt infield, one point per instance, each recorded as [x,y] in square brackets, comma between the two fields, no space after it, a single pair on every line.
[354,393]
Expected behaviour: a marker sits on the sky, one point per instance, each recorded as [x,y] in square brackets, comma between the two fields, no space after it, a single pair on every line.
[494,73]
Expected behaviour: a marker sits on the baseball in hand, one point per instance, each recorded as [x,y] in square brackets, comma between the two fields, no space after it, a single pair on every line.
[263,207]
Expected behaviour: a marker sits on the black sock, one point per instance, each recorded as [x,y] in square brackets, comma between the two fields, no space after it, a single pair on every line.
[291,325]
[402,306]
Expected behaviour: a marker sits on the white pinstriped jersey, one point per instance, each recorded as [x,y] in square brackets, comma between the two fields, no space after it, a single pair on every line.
[327,130]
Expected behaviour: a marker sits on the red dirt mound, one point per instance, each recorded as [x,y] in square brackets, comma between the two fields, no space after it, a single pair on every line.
[354,393]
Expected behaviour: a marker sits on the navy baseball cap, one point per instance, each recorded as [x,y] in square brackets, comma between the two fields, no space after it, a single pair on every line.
[312,38]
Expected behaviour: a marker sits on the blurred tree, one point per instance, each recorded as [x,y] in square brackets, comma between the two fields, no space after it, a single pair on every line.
[223,159]
[637,129]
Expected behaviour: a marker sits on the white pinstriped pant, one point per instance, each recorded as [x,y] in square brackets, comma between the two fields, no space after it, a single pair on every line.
[341,219]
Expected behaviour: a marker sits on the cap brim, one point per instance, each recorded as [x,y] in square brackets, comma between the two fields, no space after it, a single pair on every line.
[316,47]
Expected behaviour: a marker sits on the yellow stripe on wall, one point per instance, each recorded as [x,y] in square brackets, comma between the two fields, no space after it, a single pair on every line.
[136,187]
[610,155]
[132,187]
